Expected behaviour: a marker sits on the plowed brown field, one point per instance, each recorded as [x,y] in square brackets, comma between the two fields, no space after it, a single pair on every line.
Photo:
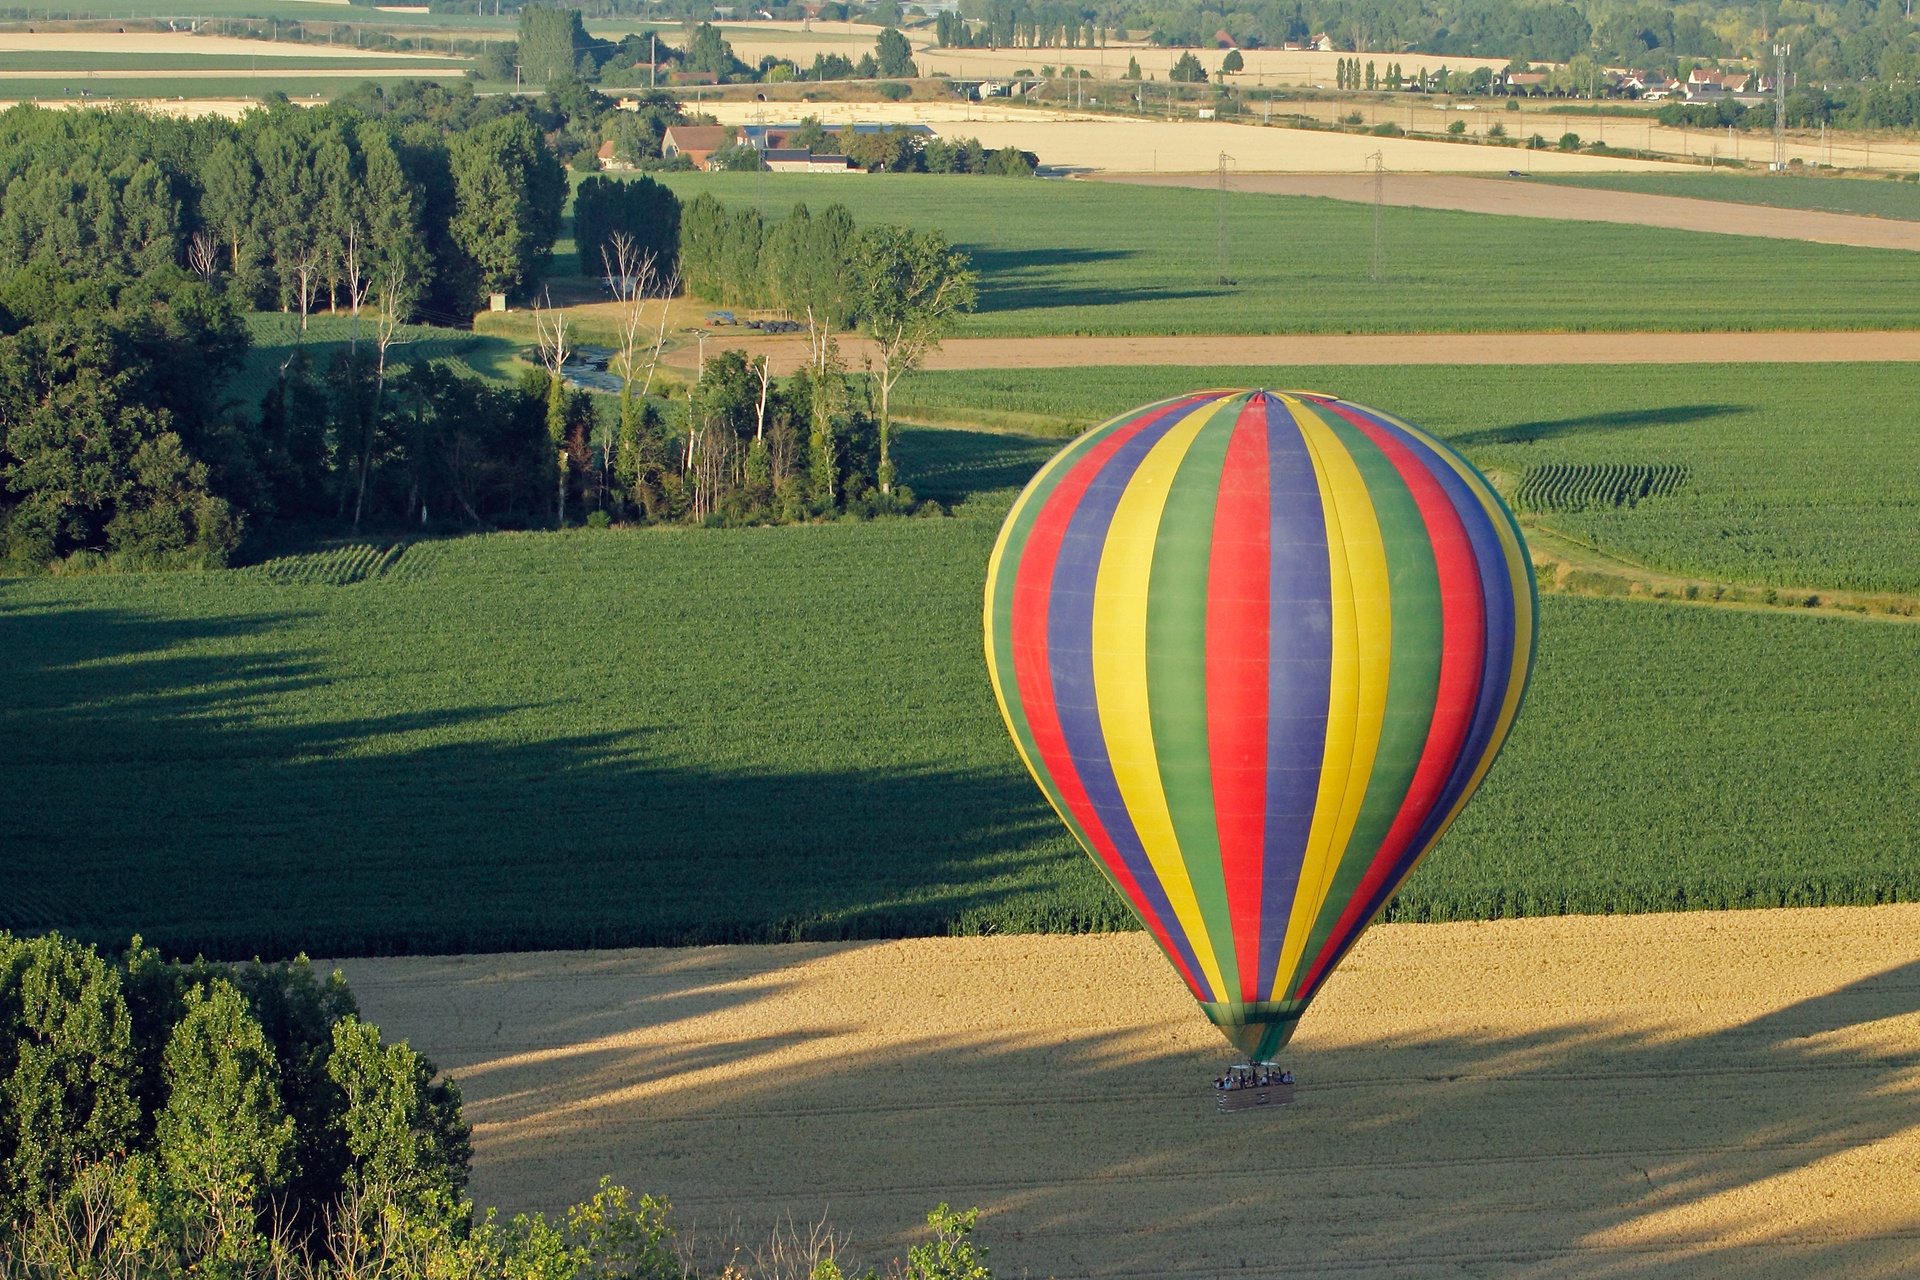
[1682,1095]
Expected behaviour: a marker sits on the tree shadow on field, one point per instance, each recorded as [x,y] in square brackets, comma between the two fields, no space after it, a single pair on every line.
[1570,1144]
[1595,424]
[1054,277]
[159,784]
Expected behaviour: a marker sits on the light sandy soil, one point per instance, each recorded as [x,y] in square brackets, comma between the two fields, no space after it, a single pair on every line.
[170,42]
[1637,132]
[787,354]
[221,73]
[1702,1094]
[1106,144]
[1585,204]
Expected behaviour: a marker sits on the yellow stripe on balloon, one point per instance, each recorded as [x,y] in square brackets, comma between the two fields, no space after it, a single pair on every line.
[1120,673]
[1357,700]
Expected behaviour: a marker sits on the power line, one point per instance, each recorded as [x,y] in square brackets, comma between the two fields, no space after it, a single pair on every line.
[1222,274]
[1379,197]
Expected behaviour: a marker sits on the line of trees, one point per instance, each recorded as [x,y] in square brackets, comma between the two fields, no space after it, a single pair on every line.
[1834,45]
[291,208]
[902,289]
[130,247]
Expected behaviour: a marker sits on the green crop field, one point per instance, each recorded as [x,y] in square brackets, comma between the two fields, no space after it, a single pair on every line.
[1073,257]
[1877,197]
[666,735]
[1795,475]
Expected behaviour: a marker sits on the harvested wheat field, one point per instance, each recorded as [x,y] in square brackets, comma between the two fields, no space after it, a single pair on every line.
[187,46]
[1676,1095]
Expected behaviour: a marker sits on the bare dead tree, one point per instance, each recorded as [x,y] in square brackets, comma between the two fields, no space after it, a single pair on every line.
[397,292]
[203,254]
[764,368]
[306,275]
[358,276]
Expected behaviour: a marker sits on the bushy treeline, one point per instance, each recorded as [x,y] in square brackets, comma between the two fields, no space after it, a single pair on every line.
[289,207]
[1863,106]
[203,1099]
[1832,43]
[163,1120]
[817,443]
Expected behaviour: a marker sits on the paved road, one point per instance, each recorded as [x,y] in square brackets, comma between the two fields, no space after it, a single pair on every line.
[788,354]
[1521,199]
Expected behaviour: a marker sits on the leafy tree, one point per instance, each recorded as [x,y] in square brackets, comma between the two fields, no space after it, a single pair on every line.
[403,1131]
[553,45]
[895,55]
[67,1069]
[224,1138]
[951,1255]
[914,286]
[1233,62]
[644,211]
[707,51]
[510,190]
[1188,70]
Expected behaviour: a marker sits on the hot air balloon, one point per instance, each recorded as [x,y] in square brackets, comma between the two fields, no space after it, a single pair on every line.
[1258,648]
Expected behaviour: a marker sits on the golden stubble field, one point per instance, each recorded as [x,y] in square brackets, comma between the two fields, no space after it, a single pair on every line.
[1683,1095]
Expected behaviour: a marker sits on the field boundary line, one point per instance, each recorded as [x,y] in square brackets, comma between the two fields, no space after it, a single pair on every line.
[1507,197]
[1874,346]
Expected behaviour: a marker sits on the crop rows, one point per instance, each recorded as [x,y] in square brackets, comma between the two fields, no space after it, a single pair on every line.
[1581,486]
[339,566]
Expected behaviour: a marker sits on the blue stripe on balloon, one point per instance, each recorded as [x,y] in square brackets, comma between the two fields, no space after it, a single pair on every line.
[1299,674]
[1070,661]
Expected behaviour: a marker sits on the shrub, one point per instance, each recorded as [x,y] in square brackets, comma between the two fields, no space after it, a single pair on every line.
[1569,142]
[893,91]
[1388,129]
[1458,127]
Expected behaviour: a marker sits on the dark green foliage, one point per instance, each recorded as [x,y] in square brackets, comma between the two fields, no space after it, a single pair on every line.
[106,417]
[509,193]
[67,1068]
[895,55]
[212,1089]
[553,46]
[1188,70]
[707,51]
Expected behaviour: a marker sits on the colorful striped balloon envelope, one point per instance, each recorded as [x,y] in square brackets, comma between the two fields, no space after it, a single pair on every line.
[1258,648]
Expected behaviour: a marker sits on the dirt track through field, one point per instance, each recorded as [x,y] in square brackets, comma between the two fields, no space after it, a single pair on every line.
[788,354]
[1710,1093]
[1519,199]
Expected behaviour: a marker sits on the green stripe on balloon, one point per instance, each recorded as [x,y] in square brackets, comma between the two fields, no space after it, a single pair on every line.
[1177,672]
[1413,673]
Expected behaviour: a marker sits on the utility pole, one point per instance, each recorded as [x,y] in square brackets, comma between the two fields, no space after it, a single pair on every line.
[1379,195]
[1781,52]
[1221,273]
[653,59]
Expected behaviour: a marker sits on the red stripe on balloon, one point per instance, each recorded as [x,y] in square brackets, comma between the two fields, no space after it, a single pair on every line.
[1463,629]
[1238,581]
[1033,674]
